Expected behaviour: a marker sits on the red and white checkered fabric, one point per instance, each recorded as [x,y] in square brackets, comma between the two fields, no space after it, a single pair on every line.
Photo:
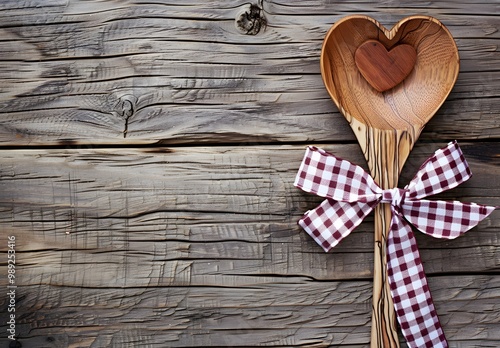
[351,194]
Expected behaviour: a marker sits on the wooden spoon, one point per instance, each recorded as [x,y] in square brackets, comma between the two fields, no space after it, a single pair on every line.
[388,121]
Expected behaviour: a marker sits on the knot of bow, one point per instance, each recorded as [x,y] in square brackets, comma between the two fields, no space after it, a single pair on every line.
[351,194]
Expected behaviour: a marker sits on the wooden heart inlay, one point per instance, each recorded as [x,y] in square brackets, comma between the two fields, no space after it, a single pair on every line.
[384,69]
[373,93]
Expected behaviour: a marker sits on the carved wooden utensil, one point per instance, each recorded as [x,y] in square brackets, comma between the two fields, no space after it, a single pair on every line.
[388,84]
[384,69]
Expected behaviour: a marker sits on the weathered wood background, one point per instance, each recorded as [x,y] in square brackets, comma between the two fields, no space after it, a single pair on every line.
[147,154]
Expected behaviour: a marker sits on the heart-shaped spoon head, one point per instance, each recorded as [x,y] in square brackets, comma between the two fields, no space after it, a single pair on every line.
[410,103]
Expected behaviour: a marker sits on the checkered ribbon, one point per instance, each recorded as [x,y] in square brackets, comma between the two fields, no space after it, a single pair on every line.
[351,194]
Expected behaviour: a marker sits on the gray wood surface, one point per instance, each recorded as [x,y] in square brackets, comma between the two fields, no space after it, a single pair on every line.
[151,71]
[147,155]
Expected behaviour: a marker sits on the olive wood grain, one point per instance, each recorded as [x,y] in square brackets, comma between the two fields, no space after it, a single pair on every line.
[387,124]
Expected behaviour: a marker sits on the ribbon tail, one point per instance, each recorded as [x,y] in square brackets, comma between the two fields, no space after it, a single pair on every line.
[331,221]
[412,299]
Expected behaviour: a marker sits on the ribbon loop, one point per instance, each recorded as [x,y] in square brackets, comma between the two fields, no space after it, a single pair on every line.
[352,194]
[444,170]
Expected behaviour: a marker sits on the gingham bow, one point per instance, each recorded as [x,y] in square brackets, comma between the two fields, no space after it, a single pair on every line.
[352,194]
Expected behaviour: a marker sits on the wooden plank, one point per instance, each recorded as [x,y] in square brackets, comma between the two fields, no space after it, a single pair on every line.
[288,312]
[96,72]
[201,211]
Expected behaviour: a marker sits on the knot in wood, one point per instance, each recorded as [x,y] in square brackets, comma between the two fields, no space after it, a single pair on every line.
[15,344]
[251,20]
[125,108]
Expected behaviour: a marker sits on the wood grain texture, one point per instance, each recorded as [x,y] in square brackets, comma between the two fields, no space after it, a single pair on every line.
[147,72]
[409,105]
[382,68]
[286,312]
[199,246]
[123,242]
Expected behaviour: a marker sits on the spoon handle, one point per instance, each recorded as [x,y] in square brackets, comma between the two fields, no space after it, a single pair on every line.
[385,151]
[384,333]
